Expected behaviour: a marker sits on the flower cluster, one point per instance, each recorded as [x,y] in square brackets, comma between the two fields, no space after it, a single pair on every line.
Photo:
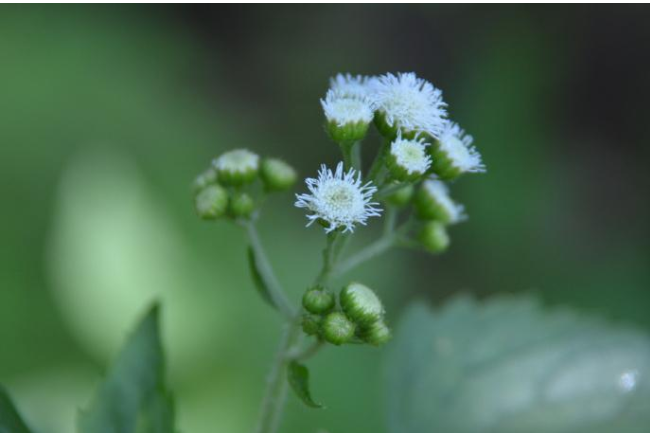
[224,189]
[360,318]
[405,183]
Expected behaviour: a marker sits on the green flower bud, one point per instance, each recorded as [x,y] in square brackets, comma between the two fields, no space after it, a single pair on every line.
[337,329]
[433,237]
[432,202]
[311,324]
[242,205]
[400,197]
[318,300]
[376,334]
[277,175]
[361,304]
[237,167]
[211,202]
[208,177]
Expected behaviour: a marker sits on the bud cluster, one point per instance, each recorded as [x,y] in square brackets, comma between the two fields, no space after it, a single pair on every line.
[226,187]
[357,318]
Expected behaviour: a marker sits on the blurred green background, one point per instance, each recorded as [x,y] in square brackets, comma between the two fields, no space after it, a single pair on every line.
[108,112]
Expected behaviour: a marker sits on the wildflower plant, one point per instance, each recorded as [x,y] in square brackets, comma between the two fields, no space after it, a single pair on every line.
[403,186]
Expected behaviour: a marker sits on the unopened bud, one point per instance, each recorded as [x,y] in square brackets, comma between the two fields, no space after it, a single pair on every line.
[311,324]
[361,304]
[433,237]
[338,329]
[208,177]
[242,205]
[211,202]
[318,300]
[277,175]
[376,334]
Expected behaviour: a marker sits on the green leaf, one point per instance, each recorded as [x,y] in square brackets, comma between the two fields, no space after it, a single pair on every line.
[260,285]
[299,381]
[133,398]
[10,421]
[509,365]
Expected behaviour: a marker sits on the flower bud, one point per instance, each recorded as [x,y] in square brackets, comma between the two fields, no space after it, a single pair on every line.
[408,160]
[211,202]
[433,237]
[400,197]
[376,334]
[453,154]
[361,304]
[432,202]
[337,329]
[318,300]
[277,175]
[237,167]
[348,116]
[208,177]
[241,205]
[311,324]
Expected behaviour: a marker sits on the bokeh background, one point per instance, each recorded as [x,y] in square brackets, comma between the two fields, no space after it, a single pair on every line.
[108,112]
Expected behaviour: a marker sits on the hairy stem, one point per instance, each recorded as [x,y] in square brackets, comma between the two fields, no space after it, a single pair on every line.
[276,390]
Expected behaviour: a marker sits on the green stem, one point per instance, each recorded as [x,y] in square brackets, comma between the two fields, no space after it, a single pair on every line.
[376,248]
[278,297]
[356,156]
[378,163]
[329,259]
[276,390]
[390,219]
[307,352]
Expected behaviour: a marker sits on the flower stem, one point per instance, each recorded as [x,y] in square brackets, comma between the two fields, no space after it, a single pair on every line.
[276,390]
[378,163]
[376,248]
[329,259]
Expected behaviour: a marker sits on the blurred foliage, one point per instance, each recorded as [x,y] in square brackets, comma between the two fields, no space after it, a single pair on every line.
[133,397]
[108,112]
[507,365]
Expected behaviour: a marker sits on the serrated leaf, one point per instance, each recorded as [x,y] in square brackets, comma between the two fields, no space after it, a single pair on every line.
[509,365]
[133,398]
[298,376]
[10,420]
[260,285]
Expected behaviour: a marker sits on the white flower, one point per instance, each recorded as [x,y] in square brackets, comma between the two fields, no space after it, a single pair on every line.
[439,193]
[410,156]
[457,147]
[349,85]
[343,109]
[409,103]
[339,199]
